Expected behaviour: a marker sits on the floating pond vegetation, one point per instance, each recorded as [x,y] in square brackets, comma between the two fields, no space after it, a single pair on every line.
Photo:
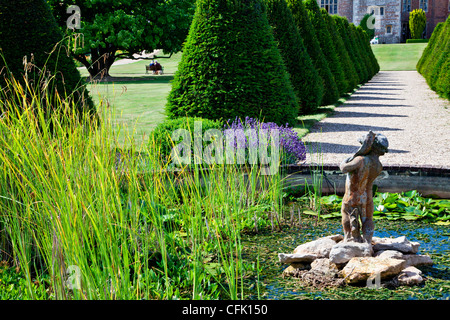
[264,247]
[408,205]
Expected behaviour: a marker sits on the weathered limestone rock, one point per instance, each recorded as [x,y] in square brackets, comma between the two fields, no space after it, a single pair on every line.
[417,260]
[361,268]
[317,262]
[410,276]
[399,244]
[294,268]
[325,267]
[394,254]
[344,251]
[320,248]
[296,257]
[411,259]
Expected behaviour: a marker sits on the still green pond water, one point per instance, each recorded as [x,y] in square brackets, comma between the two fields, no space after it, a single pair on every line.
[434,241]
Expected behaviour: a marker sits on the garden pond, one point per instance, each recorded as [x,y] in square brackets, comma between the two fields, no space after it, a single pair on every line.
[434,241]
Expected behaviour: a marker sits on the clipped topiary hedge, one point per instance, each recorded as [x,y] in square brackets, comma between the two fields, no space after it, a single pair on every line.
[360,52]
[417,40]
[307,83]
[434,64]
[417,23]
[346,63]
[372,63]
[327,45]
[364,24]
[342,26]
[309,37]
[231,66]
[424,59]
[28,29]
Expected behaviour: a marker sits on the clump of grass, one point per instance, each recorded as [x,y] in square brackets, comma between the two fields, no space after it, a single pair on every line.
[107,222]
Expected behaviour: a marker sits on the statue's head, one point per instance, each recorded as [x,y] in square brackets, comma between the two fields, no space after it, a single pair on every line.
[375,142]
[381,143]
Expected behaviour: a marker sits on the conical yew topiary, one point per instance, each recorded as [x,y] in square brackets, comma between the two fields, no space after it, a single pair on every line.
[29,33]
[326,44]
[231,66]
[346,63]
[344,30]
[435,36]
[353,33]
[361,39]
[371,56]
[309,37]
[307,83]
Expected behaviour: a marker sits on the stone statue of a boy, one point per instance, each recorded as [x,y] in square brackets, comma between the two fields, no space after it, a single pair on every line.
[361,169]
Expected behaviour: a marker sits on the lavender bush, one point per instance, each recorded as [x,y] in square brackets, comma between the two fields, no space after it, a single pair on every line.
[292,149]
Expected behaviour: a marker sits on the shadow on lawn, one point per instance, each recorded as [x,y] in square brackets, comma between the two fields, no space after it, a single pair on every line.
[167,78]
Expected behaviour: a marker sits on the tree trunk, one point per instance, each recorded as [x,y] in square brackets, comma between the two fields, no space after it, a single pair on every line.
[101,61]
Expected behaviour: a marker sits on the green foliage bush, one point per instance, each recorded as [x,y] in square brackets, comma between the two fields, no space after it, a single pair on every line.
[417,40]
[342,26]
[372,63]
[417,23]
[326,44]
[28,33]
[353,33]
[424,59]
[305,79]
[346,63]
[443,81]
[161,135]
[231,67]
[434,64]
[363,24]
[308,34]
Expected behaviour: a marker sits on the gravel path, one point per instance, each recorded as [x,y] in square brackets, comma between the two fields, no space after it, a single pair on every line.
[398,104]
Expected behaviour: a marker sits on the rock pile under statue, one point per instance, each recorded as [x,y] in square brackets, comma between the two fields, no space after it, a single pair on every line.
[357,256]
[330,261]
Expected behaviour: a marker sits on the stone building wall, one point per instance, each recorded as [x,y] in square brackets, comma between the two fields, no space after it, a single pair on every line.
[345,9]
[386,21]
[437,12]
[394,16]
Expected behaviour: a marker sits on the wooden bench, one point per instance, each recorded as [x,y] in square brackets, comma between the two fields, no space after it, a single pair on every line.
[147,69]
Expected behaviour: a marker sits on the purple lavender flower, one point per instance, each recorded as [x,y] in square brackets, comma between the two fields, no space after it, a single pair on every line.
[292,148]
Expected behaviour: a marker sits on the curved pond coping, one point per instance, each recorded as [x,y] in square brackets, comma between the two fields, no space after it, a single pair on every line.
[428,180]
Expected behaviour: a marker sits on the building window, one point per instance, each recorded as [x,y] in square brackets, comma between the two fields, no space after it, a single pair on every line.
[382,11]
[406,5]
[448,5]
[389,29]
[330,5]
[423,4]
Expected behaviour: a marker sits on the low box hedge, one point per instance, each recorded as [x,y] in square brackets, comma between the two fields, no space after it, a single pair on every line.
[417,40]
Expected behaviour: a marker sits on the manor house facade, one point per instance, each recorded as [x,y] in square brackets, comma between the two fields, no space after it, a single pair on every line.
[391,16]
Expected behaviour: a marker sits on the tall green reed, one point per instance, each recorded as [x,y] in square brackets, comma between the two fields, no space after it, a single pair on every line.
[110,221]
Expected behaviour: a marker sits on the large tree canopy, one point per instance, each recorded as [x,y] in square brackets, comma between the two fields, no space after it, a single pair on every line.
[118,29]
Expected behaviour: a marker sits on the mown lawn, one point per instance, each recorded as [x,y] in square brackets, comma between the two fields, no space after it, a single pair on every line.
[137,102]
[399,56]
